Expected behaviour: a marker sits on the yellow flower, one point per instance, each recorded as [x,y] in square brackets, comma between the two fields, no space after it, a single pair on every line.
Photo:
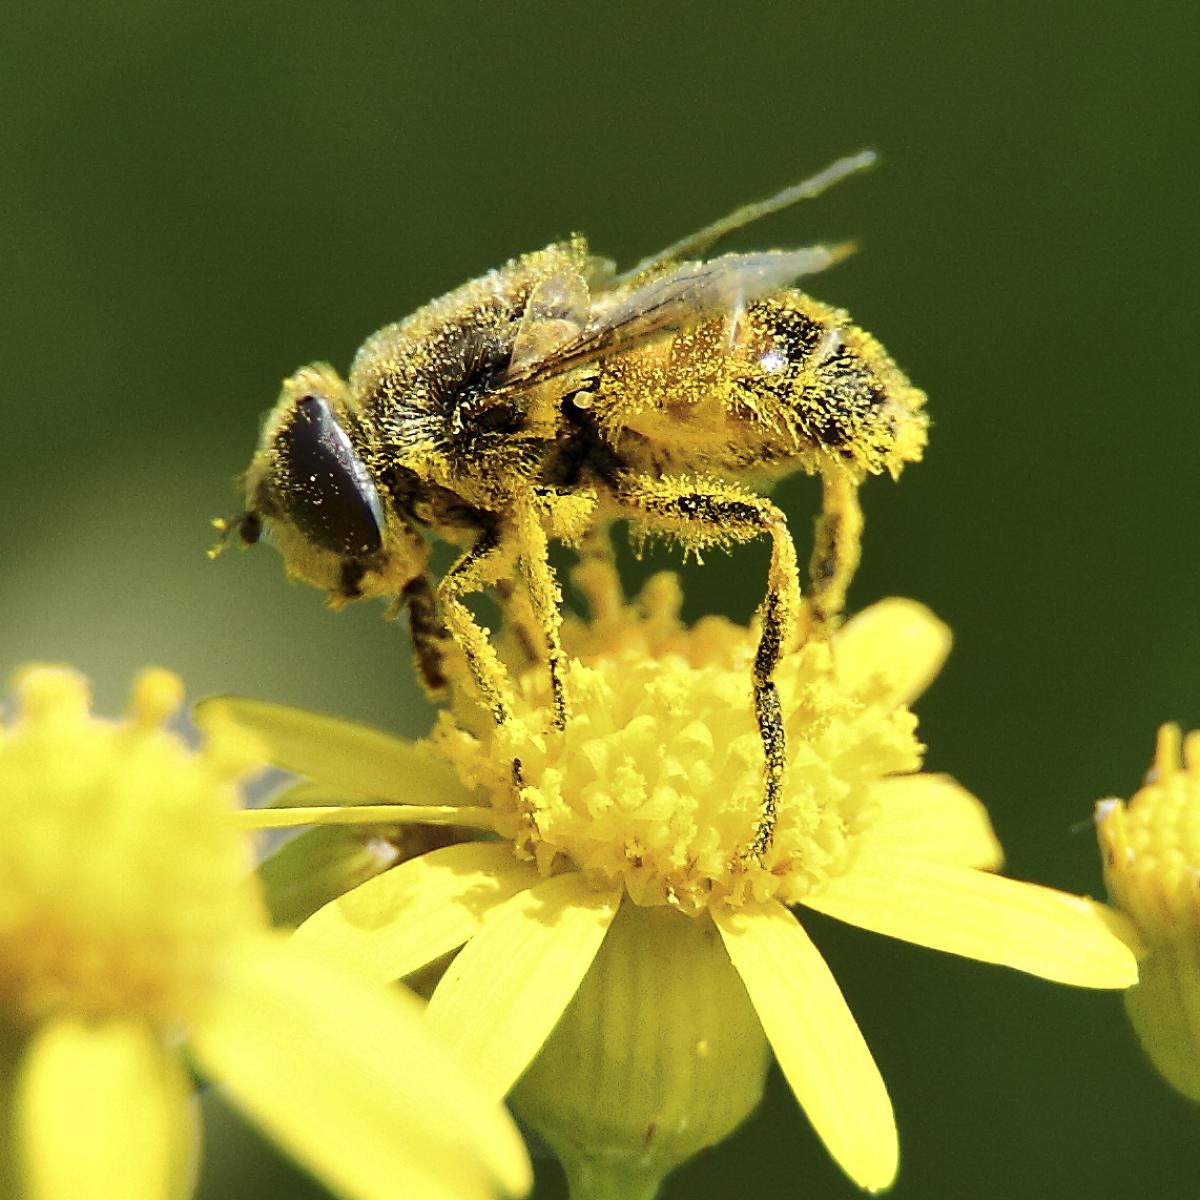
[615,887]
[132,942]
[1151,853]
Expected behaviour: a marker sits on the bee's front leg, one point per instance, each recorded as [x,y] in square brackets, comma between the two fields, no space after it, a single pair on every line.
[430,638]
[836,550]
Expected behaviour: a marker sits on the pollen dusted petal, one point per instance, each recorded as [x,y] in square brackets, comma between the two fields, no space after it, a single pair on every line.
[932,817]
[894,649]
[346,1076]
[103,1111]
[419,910]
[1066,938]
[504,993]
[816,1040]
[342,754]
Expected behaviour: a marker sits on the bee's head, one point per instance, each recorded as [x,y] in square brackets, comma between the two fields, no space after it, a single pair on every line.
[311,487]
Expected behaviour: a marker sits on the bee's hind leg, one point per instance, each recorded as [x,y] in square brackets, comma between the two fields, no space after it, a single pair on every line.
[836,550]
[701,514]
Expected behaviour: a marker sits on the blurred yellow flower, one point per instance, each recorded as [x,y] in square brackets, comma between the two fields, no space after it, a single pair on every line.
[615,862]
[133,940]
[1151,853]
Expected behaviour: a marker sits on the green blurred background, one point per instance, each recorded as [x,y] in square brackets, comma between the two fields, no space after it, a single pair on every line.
[195,199]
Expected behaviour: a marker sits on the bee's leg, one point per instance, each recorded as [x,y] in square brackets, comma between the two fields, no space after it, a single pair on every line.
[836,550]
[712,516]
[482,565]
[520,626]
[545,596]
[430,639]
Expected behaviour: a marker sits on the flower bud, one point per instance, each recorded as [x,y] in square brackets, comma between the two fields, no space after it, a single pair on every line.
[1151,851]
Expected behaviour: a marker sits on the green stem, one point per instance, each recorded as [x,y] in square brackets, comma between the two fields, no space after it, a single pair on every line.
[600,1179]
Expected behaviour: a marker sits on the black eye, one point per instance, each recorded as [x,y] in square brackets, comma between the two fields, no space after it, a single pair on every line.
[326,489]
[249,528]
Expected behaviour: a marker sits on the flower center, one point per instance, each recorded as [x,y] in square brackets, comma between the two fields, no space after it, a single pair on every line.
[120,874]
[657,780]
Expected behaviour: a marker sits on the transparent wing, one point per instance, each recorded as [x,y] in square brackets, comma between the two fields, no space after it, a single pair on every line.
[668,302]
[807,189]
[555,315]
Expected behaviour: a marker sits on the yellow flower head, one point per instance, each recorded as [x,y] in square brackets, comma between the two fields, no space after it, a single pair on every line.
[622,956]
[656,783]
[124,879]
[1151,854]
[129,930]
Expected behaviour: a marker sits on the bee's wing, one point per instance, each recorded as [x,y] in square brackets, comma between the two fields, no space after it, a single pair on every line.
[556,314]
[675,299]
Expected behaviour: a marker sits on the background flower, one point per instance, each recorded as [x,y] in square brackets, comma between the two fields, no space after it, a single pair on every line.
[1151,853]
[131,936]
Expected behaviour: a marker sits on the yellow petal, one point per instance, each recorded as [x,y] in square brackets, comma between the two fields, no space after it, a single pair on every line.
[931,816]
[816,1040]
[102,1111]
[1054,934]
[464,816]
[342,754]
[397,922]
[504,993]
[346,1077]
[897,646]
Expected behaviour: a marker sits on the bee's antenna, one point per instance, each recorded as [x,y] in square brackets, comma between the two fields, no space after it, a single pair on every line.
[804,190]
[224,528]
[247,525]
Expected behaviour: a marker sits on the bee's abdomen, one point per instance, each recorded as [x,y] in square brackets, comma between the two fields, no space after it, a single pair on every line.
[810,369]
[786,384]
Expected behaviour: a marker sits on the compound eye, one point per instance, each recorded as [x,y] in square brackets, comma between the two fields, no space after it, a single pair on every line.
[328,494]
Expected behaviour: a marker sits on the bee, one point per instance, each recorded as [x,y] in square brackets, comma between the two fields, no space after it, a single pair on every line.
[553,396]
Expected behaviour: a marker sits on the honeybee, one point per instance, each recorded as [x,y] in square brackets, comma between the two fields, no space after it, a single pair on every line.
[552,396]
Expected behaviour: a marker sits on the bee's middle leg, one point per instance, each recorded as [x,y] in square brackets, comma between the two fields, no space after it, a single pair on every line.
[714,517]
[520,625]
[482,565]
[545,597]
